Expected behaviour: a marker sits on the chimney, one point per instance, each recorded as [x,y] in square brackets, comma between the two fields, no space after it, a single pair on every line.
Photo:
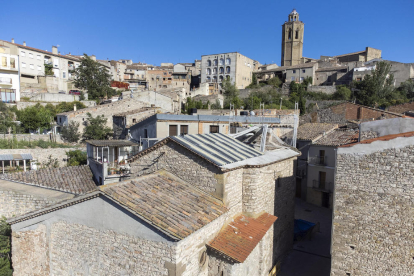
[24,43]
[59,52]
[74,107]
[93,57]
[12,40]
[54,50]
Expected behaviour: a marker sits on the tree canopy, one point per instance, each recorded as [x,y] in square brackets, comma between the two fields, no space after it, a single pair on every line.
[231,94]
[96,129]
[70,133]
[93,77]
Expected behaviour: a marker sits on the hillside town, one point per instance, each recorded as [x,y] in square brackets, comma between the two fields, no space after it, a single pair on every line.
[218,166]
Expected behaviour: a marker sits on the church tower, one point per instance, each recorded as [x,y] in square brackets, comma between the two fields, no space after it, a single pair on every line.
[292,40]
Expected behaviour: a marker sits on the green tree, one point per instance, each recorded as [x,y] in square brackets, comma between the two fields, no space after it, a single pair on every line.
[407,88]
[70,133]
[253,84]
[5,245]
[216,105]
[342,93]
[275,81]
[93,77]
[7,117]
[76,157]
[377,88]
[96,129]
[36,117]
[50,162]
[231,94]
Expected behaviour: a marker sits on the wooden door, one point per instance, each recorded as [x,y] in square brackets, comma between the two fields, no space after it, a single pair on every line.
[322,180]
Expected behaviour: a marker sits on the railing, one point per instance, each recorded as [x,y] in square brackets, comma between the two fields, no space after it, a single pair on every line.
[300,173]
[6,80]
[323,186]
[318,160]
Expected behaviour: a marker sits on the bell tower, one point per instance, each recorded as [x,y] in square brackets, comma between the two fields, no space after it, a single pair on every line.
[292,40]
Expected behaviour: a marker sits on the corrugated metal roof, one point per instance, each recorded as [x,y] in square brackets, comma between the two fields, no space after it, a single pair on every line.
[23,156]
[217,147]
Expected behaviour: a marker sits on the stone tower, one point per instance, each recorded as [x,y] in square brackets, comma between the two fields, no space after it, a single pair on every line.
[292,40]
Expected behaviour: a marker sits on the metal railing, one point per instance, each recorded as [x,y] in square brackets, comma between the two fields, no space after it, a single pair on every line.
[318,160]
[300,173]
[324,186]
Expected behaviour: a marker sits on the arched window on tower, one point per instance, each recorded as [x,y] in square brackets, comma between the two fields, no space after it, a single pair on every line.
[290,34]
[297,34]
[208,62]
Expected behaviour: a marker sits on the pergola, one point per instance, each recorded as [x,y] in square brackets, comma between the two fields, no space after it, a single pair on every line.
[15,159]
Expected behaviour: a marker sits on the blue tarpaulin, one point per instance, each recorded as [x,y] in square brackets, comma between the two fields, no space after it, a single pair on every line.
[302,227]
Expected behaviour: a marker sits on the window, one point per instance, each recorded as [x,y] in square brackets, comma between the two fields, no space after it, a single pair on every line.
[134,120]
[303,71]
[183,129]
[214,70]
[215,62]
[23,54]
[221,70]
[208,71]
[30,55]
[173,130]
[12,63]
[214,129]
[221,61]
[215,79]
[31,66]
[301,79]
[228,61]
[64,75]
[294,71]
[39,68]
[163,79]
[228,70]
[290,34]
[296,34]
[208,79]
[4,61]
[165,73]
[293,78]
[221,78]
[208,62]
[145,133]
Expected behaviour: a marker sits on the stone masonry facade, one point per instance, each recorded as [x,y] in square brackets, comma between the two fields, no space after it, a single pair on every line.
[373,213]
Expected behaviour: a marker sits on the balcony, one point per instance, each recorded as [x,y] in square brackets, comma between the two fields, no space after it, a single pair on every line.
[6,81]
[323,186]
[318,160]
[300,173]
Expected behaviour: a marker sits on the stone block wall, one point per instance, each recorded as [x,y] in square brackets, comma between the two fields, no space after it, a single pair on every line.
[63,248]
[13,203]
[42,155]
[374,209]
[328,89]
[34,137]
[182,163]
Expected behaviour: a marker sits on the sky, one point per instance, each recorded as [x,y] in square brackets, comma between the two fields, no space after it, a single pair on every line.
[182,31]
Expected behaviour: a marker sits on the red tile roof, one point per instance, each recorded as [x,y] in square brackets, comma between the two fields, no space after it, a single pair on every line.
[382,138]
[238,239]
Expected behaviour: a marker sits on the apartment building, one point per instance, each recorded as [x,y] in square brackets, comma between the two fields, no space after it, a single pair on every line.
[9,73]
[234,66]
[44,71]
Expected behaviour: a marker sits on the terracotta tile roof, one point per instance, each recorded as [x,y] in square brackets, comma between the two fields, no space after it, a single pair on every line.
[172,206]
[311,131]
[338,138]
[238,239]
[382,138]
[76,179]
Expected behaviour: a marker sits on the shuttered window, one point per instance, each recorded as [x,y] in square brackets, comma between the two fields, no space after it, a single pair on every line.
[183,129]
[214,129]
[173,130]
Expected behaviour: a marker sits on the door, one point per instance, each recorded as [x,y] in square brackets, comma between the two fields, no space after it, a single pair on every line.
[325,200]
[299,188]
[322,179]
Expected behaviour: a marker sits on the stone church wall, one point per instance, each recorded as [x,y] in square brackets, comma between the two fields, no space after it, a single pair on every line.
[374,210]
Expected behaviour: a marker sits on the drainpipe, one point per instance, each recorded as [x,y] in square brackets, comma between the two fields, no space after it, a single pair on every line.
[359,132]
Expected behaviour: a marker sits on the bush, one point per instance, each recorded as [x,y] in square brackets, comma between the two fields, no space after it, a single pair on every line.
[76,158]
[70,133]
[5,245]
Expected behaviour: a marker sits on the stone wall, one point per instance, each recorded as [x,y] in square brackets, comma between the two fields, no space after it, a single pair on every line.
[64,248]
[328,89]
[374,209]
[402,108]
[182,163]
[32,137]
[245,93]
[42,155]
[13,203]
